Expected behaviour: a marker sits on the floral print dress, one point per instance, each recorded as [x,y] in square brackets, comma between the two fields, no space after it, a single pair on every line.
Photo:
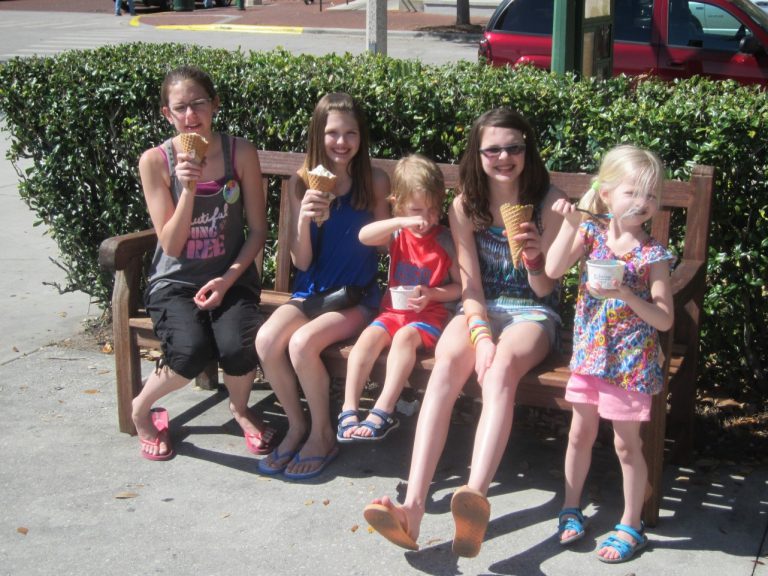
[609,340]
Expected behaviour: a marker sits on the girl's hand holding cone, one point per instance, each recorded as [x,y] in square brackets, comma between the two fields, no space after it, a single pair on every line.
[193,149]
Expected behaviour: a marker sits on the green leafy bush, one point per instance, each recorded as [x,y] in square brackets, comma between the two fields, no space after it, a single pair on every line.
[83,118]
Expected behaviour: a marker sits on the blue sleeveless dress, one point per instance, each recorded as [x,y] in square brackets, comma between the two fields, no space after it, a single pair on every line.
[340,259]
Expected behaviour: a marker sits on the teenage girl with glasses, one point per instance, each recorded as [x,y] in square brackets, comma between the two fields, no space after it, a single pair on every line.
[203,293]
[505,326]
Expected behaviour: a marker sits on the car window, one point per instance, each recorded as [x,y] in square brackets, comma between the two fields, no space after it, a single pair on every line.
[704,25]
[527,17]
[632,20]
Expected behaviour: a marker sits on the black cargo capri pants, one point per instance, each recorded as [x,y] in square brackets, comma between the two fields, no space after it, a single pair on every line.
[192,337]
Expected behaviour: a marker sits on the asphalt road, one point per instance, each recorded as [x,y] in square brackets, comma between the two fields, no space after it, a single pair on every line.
[83,24]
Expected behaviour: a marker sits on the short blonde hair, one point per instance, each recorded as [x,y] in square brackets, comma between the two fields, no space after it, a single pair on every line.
[623,162]
[417,174]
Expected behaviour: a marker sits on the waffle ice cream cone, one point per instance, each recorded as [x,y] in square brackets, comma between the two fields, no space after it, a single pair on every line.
[514,215]
[193,143]
[320,178]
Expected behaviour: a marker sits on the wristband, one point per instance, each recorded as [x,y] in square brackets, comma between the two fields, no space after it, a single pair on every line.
[475,318]
[535,266]
[478,329]
[478,335]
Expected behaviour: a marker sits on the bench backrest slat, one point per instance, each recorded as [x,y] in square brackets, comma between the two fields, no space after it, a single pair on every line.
[693,197]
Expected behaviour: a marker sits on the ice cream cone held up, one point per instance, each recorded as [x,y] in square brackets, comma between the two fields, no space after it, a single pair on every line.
[514,215]
[195,145]
[322,179]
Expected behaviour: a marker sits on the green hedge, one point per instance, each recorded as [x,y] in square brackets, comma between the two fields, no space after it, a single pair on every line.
[83,118]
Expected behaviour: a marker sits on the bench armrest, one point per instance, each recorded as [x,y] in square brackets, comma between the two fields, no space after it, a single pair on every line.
[116,253]
[686,278]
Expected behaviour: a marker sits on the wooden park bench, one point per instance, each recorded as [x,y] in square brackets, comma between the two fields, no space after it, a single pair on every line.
[686,204]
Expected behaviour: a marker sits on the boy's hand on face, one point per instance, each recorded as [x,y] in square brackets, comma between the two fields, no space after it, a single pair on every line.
[417,224]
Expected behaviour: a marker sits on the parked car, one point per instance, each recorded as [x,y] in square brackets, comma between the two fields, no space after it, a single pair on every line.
[162,4]
[667,38]
[168,4]
[762,4]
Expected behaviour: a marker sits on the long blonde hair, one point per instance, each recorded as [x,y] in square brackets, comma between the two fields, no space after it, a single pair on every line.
[620,163]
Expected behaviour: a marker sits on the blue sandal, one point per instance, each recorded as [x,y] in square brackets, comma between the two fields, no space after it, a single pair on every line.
[575,523]
[624,548]
[342,427]
[378,431]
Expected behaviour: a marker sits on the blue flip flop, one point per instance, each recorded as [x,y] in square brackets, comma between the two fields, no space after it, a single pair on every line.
[378,431]
[624,548]
[324,461]
[264,468]
[575,523]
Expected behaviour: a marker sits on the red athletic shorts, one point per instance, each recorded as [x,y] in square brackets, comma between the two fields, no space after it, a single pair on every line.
[430,326]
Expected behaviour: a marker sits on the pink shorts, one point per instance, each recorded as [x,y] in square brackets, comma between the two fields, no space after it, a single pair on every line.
[613,403]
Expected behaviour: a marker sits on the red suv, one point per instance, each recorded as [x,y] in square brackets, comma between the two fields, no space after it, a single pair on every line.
[667,38]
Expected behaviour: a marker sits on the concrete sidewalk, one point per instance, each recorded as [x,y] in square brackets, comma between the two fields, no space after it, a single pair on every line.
[33,312]
[77,499]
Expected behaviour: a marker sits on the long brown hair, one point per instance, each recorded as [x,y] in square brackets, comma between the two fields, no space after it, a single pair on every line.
[363,197]
[473,181]
[186,73]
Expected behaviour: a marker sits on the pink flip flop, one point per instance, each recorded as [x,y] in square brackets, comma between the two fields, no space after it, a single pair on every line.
[160,420]
[261,443]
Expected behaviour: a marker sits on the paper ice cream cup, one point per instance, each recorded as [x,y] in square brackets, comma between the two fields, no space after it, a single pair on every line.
[602,273]
[400,296]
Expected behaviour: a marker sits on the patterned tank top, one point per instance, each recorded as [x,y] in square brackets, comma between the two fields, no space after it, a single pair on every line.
[505,287]
[216,233]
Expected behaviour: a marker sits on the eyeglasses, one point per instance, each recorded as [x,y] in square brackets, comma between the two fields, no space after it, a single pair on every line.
[196,106]
[495,151]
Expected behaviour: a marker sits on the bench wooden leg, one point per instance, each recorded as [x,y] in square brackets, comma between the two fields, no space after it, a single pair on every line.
[127,360]
[683,385]
[208,379]
[653,448]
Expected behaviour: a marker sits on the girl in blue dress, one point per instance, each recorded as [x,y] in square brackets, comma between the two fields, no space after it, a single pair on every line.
[326,257]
